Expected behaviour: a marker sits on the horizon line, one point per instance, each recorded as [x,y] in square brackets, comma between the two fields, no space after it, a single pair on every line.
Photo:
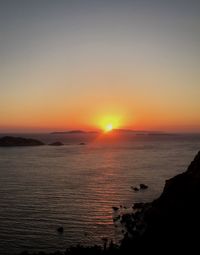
[88,131]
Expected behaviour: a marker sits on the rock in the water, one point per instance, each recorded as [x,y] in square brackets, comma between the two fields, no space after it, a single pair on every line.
[115,208]
[82,144]
[8,141]
[143,186]
[60,230]
[56,144]
[135,188]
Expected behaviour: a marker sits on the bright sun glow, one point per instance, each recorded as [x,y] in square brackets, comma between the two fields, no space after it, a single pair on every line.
[108,123]
[108,127]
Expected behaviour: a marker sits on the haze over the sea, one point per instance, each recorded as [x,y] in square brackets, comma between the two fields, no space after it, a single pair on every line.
[77,64]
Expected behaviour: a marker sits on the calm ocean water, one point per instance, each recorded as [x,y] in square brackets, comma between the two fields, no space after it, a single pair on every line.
[74,186]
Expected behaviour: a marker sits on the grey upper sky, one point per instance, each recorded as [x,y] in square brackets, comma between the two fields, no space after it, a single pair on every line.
[139,59]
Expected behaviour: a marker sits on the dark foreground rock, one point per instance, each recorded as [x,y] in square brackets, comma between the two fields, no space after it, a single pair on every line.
[173,220]
[8,141]
[167,225]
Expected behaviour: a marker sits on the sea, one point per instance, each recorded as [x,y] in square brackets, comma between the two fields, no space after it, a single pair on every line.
[76,186]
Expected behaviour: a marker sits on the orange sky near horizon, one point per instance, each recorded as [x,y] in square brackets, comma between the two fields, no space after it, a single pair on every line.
[85,65]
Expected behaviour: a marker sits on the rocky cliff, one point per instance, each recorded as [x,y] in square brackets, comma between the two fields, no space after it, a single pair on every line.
[173,220]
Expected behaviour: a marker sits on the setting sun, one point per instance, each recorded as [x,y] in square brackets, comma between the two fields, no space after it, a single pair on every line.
[108,127]
[109,122]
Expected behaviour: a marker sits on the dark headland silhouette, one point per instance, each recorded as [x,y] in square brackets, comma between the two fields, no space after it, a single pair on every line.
[169,224]
[11,141]
[8,141]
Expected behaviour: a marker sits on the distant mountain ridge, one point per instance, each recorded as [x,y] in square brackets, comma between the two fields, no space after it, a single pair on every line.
[73,132]
[78,131]
[136,131]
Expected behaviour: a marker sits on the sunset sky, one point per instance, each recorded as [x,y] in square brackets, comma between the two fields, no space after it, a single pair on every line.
[80,64]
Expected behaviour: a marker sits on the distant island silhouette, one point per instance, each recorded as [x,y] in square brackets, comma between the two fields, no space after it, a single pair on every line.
[74,132]
[8,141]
[116,130]
[12,141]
